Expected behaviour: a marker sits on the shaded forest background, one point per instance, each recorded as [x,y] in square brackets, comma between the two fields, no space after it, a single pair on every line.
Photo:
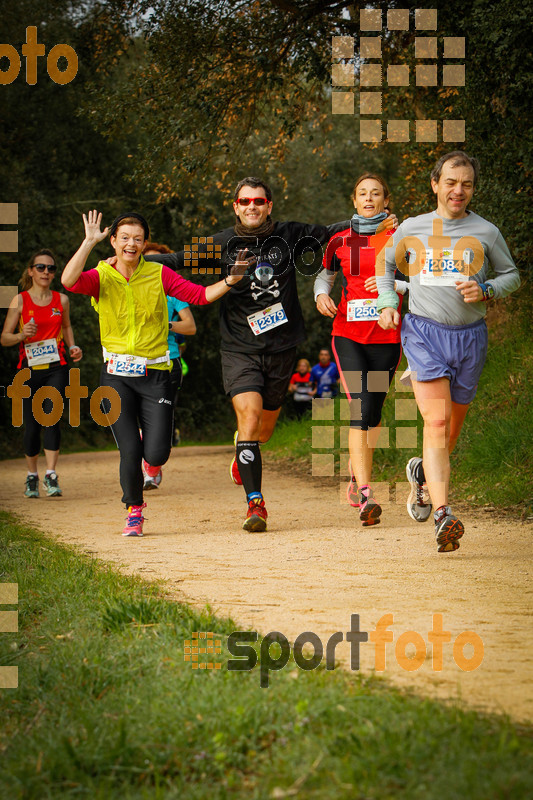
[174,102]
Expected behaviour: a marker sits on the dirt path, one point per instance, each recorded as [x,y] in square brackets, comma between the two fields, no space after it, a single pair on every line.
[313,568]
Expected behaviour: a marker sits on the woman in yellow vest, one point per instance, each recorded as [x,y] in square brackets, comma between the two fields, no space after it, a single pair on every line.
[133,317]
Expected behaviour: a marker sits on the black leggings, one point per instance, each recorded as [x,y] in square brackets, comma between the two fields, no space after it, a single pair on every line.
[56,376]
[366,372]
[146,402]
[176,377]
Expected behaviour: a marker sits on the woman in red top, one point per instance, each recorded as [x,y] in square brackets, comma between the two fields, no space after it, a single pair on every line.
[366,355]
[301,389]
[42,318]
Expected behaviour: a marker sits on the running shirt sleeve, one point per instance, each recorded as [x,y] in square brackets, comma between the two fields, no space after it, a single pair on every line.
[335,227]
[87,283]
[507,278]
[401,287]
[182,259]
[386,263]
[324,282]
[172,260]
[174,307]
[331,265]
[176,286]
[331,260]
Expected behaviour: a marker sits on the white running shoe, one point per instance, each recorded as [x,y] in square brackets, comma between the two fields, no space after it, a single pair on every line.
[153,483]
[418,503]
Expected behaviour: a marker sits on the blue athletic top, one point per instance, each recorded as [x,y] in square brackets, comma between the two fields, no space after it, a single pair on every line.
[174,307]
[326,379]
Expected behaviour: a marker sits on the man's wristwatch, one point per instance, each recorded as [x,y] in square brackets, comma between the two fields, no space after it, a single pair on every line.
[488,291]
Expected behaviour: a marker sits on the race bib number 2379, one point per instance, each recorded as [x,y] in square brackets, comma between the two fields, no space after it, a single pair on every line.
[268,318]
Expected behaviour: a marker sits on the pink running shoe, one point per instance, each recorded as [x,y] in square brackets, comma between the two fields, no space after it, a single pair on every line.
[134,521]
[352,493]
[369,510]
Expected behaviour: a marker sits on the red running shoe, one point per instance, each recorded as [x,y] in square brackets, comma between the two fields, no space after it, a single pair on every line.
[234,473]
[256,516]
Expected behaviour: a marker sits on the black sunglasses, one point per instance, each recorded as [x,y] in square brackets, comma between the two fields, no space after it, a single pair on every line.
[41,267]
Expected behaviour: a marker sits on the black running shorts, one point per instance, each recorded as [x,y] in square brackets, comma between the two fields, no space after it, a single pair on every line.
[266,373]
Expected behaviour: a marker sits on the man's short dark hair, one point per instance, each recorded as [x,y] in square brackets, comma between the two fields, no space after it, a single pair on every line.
[253,183]
[459,159]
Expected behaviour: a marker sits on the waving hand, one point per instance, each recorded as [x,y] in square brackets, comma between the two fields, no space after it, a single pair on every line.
[92,223]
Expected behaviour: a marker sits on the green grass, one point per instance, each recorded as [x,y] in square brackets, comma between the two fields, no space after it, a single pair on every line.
[107,708]
[493,460]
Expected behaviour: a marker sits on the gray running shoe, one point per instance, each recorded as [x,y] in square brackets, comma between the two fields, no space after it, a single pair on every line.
[32,486]
[153,483]
[448,529]
[51,485]
[418,503]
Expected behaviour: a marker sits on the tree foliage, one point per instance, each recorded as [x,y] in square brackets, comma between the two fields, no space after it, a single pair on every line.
[175,100]
[217,81]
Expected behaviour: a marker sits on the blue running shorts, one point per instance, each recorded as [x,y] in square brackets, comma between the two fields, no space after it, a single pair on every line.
[457,352]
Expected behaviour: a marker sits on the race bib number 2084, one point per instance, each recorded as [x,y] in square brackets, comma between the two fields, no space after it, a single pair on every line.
[442,271]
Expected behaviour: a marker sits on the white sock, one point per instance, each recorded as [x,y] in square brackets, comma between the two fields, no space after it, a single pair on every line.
[34,473]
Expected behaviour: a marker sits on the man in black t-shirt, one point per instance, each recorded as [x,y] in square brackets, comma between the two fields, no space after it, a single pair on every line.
[261,323]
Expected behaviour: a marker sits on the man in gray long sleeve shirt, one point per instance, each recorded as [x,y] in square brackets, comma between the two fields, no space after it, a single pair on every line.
[448,253]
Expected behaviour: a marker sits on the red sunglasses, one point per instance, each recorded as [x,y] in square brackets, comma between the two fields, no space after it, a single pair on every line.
[257,201]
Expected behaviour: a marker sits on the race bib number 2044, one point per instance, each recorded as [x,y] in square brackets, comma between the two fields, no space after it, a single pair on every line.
[44,352]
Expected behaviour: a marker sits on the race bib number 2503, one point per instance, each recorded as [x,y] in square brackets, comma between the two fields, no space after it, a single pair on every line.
[362,311]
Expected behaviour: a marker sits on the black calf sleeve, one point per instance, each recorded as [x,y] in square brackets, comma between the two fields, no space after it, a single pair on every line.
[250,466]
